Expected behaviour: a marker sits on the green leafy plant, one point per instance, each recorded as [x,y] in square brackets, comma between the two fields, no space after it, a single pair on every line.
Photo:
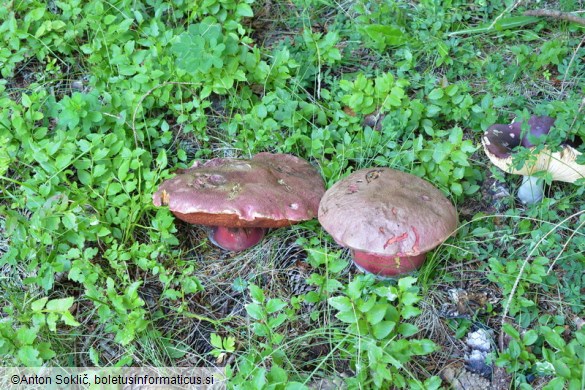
[207,54]
[264,364]
[21,335]
[222,11]
[378,340]
[555,358]
[222,346]
[101,101]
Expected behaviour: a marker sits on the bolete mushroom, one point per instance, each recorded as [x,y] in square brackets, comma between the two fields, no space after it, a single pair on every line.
[240,199]
[500,140]
[389,219]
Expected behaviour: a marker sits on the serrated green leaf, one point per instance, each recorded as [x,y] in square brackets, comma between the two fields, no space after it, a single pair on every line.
[26,336]
[215,340]
[407,330]
[258,378]
[39,304]
[382,329]
[29,356]
[45,351]
[277,375]
[229,344]
[436,94]
[94,356]
[98,170]
[59,305]
[274,305]
[68,319]
[52,321]
[124,336]
[561,368]
[385,35]
[555,384]
[423,347]
[260,329]
[57,25]
[365,305]
[409,311]
[341,303]
[255,311]
[441,151]
[406,283]
[348,317]
[377,313]
[337,265]
[354,288]
[432,110]
[201,48]
[552,338]
[36,14]
[175,351]
[25,100]
[508,328]
[432,383]
[109,19]
[394,99]
[256,293]
[123,170]
[244,10]
[514,349]
[409,298]
[530,337]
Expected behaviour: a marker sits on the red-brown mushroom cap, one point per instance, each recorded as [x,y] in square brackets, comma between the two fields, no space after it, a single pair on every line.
[386,212]
[268,191]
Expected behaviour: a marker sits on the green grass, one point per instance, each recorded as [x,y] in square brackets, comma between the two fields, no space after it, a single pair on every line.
[102,101]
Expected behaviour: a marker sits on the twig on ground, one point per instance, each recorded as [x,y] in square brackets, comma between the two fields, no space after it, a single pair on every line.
[556,15]
[506,11]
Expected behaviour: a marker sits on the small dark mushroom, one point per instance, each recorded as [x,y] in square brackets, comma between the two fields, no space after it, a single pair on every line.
[499,141]
[374,120]
[240,199]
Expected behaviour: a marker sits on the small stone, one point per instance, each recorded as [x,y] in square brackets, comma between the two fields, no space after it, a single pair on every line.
[479,340]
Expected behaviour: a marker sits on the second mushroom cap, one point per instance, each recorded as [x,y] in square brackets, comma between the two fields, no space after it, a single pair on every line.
[385,212]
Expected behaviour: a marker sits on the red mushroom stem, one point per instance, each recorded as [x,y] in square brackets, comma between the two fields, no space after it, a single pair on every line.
[236,239]
[387,266]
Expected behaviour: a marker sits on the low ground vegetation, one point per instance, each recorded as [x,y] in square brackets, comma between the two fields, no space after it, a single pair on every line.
[101,101]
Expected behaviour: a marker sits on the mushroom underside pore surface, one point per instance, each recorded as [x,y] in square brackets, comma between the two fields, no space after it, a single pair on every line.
[389,219]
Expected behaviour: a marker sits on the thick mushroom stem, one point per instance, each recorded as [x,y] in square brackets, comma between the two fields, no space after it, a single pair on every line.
[236,239]
[531,191]
[387,266]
